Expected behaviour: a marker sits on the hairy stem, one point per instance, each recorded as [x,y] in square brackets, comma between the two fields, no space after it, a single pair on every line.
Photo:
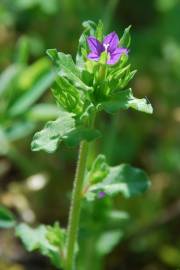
[75,209]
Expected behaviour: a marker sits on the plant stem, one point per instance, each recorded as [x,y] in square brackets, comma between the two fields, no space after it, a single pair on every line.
[75,209]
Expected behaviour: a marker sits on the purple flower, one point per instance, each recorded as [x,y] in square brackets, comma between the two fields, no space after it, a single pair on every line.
[109,44]
[101,194]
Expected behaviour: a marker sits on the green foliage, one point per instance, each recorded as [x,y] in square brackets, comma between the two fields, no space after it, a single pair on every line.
[99,170]
[62,129]
[99,31]
[107,241]
[64,62]
[8,76]
[4,143]
[152,142]
[53,133]
[81,89]
[123,179]
[7,219]
[81,133]
[29,98]
[85,85]
[21,86]
[48,8]
[56,235]
[48,240]
[102,228]
[81,55]
[125,40]
[67,68]
[125,100]
[170,255]
[67,96]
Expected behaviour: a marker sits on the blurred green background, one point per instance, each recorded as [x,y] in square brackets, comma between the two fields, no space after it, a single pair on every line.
[36,186]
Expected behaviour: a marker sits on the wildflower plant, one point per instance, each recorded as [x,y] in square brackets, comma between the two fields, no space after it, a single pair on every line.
[97,81]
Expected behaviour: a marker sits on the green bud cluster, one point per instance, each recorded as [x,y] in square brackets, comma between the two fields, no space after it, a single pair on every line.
[85,87]
[86,82]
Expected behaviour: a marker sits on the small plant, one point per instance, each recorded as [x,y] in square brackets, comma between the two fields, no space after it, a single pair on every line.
[97,81]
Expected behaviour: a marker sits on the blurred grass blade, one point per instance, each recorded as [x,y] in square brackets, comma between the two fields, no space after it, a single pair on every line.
[22,50]
[43,112]
[7,78]
[31,96]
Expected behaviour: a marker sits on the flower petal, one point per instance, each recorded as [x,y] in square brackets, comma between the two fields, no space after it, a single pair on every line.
[94,45]
[93,56]
[113,41]
[114,57]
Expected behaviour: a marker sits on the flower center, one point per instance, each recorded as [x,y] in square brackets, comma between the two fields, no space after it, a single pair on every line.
[106,45]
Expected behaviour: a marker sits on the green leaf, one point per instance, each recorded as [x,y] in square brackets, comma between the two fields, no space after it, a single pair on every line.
[67,95]
[102,61]
[119,72]
[63,61]
[43,239]
[83,49]
[7,219]
[142,105]
[56,235]
[53,133]
[107,241]
[90,25]
[87,77]
[67,68]
[123,179]
[125,41]
[81,133]
[62,129]
[99,170]
[124,100]
[120,76]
